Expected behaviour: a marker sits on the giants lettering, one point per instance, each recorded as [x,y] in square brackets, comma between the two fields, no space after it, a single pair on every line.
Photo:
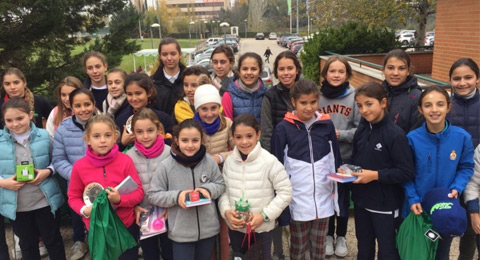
[336,109]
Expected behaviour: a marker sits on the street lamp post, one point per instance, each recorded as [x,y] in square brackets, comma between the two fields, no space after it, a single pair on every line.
[189,32]
[297,17]
[206,29]
[151,36]
[224,25]
[245,28]
[155,25]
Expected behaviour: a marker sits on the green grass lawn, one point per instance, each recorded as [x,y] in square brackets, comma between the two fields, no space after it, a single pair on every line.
[127,60]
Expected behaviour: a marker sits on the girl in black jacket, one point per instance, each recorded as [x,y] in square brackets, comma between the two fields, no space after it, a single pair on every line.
[381,149]
[403,90]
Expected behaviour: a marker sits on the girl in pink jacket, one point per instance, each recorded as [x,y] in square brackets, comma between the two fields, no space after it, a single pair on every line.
[104,164]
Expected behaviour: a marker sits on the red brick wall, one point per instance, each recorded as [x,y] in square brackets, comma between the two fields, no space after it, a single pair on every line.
[420,61]
[457,34]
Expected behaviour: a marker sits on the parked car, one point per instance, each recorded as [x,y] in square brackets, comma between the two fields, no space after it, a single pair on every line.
[272,36]
[429,38]
[406,39]
[266,77]
[232,43]
[296,48]
[260,36]
[212,41]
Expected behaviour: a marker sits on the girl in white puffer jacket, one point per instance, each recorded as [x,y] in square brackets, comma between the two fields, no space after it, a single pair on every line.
[253,174]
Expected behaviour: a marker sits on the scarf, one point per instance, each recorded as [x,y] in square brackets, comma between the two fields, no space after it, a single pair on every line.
[330,91]
[153,151]
[99,160]
[187,161]
[210,129]
[247,89]
[115,103]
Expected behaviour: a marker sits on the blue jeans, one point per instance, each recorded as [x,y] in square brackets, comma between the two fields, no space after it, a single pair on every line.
[199,250]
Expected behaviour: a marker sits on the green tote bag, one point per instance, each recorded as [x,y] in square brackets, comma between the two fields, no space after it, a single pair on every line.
[415,238]
[108,237]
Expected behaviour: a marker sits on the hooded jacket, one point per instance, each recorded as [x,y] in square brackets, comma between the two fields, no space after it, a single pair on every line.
[465,113]
[308,156]
[403,104]
[167,92]
[443,159]
[345,116]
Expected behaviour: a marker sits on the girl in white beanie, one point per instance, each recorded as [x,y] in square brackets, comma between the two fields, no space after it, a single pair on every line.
[217,139]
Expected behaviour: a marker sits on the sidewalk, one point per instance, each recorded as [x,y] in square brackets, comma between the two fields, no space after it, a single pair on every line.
[66,232]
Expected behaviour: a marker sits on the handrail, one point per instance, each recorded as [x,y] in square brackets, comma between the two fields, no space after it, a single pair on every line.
[360,62]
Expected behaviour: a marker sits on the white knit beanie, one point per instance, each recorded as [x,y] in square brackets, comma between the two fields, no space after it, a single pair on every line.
[206,94]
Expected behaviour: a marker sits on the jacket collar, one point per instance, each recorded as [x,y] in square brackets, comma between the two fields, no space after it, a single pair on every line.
[251,156]
[407,86]
[294,120]
[437,136]
[33,132]
[159,75]
[459,99]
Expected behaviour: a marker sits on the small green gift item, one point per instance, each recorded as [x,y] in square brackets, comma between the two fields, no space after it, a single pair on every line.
[242,207]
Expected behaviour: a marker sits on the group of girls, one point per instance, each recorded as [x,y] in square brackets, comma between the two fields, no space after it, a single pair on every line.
[236,140]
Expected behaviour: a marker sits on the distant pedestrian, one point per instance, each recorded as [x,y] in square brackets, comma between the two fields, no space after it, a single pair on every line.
[267,54]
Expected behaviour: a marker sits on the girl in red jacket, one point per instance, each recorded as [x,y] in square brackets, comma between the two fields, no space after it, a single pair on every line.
[104,164]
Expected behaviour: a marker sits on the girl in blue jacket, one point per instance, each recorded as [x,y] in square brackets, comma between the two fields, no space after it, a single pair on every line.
[381,149]
[68,147]
[443,156]
[29,203]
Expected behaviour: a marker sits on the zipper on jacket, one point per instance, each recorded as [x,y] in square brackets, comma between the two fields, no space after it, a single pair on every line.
[438,158]
[104,172]
[429,166]
[196,208]
[310,146]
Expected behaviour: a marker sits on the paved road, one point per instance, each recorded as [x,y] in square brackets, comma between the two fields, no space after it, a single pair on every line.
[259,47]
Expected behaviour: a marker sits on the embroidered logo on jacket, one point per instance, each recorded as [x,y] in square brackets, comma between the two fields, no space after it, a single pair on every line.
[453,155]
[378,147]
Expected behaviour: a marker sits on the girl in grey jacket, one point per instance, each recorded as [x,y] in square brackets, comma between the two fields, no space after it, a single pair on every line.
[188,169]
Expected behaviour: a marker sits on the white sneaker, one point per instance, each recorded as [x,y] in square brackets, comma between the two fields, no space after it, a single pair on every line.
[16,251]
[42,249]
[79,249]
[329,246]
[341,249]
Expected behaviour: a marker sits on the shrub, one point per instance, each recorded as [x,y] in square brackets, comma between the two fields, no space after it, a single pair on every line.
[350,38]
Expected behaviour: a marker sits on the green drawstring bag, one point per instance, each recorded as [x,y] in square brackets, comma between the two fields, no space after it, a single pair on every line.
[108,237]
[416,238]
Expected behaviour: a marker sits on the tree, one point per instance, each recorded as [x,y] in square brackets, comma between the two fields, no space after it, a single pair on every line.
[421,10]
[373,13]
[38,36]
